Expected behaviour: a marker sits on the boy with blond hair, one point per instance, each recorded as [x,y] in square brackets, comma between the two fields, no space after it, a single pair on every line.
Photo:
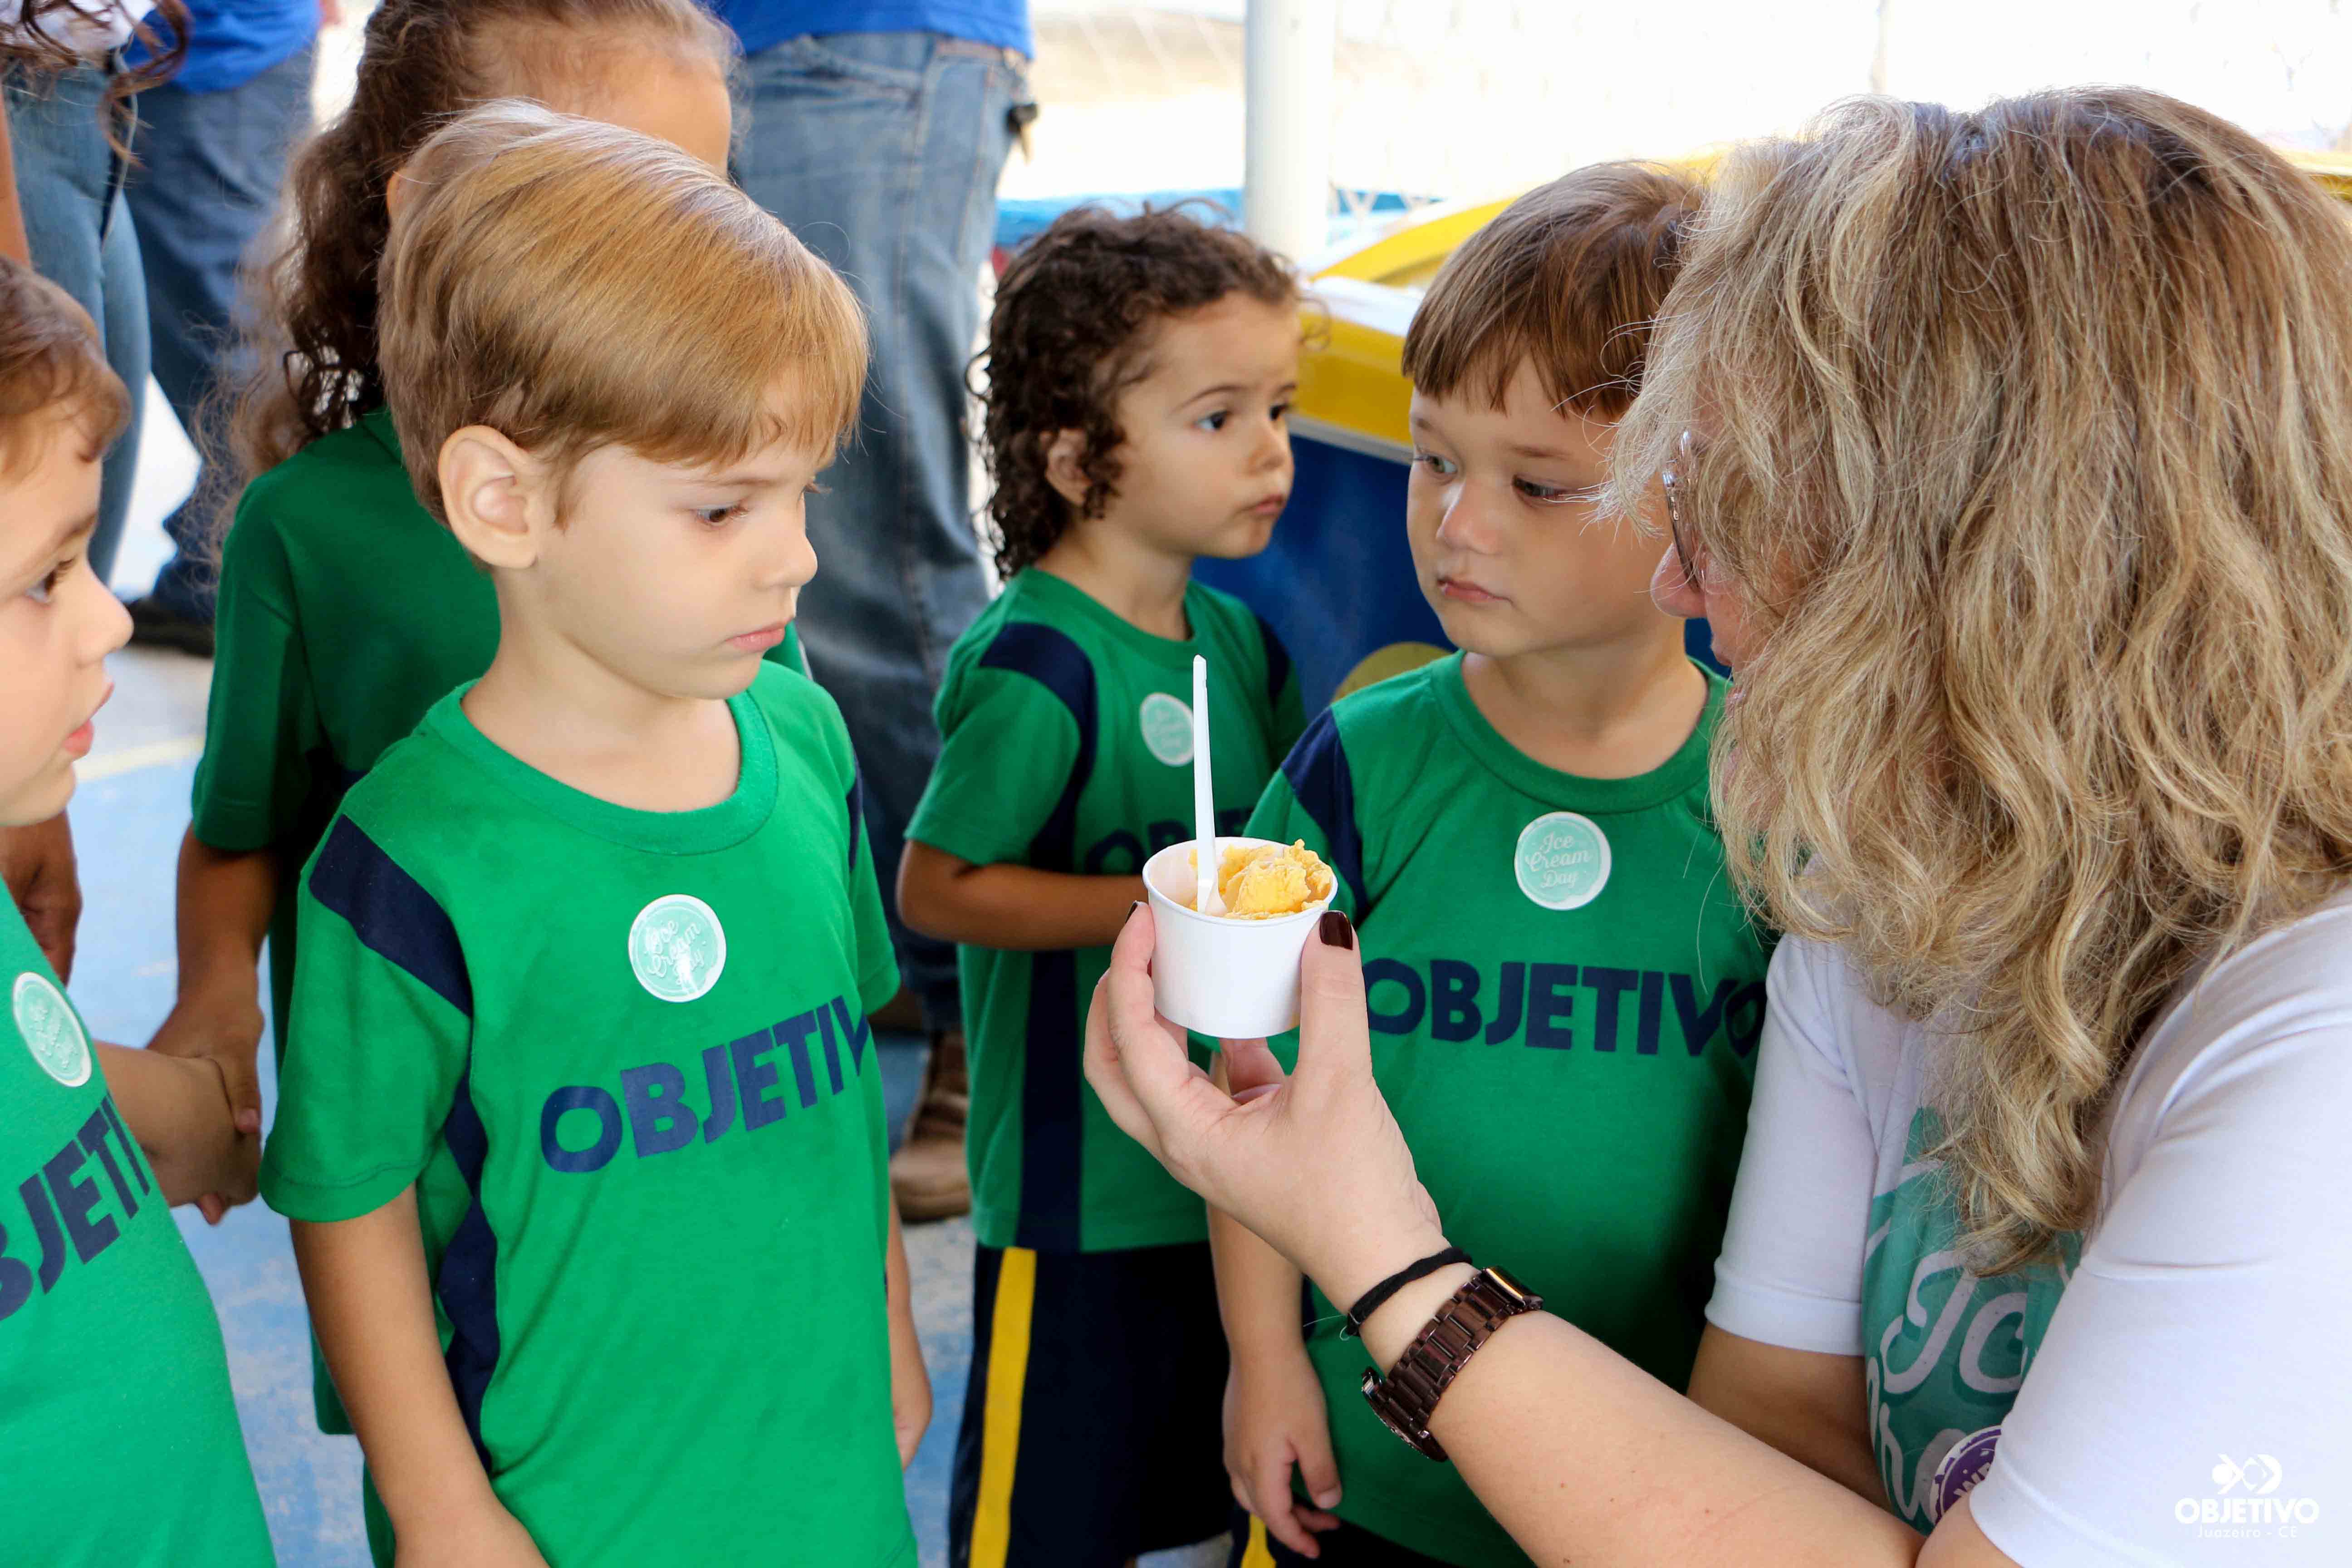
[1565,993]
[582,1131]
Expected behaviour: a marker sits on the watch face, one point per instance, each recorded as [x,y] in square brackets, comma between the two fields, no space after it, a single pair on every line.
[1512,1291]
[1386,1405]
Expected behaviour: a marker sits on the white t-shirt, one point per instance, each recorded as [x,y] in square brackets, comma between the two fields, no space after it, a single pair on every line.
[2181,1389]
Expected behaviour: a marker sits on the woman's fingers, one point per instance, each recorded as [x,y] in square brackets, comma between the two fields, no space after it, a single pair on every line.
[1138,1062]
[1251,1070]
[1106,1071]
[1335,1041]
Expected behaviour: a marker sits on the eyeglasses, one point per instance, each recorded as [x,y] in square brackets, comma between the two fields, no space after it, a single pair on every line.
[1672,481]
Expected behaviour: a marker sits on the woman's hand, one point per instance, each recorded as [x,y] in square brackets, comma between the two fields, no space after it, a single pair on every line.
[1311,1161]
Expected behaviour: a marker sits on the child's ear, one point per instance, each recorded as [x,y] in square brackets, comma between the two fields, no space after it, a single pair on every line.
[490,488]
[1062,471]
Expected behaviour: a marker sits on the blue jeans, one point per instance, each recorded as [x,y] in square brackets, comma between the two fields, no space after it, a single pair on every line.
[881,152]
[69,184]
[210,168]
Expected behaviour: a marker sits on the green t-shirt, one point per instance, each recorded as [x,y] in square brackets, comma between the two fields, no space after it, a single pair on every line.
[345,612]
[118,1441]
[623,1056]
[1564,999]
[1066,745]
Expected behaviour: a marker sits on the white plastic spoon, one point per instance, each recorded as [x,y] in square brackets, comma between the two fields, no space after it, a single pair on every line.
[1206,862]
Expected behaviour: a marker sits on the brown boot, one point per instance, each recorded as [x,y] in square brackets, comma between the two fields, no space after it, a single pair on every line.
[926,1175]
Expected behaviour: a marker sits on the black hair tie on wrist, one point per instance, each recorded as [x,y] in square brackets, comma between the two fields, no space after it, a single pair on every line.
[1373,1300]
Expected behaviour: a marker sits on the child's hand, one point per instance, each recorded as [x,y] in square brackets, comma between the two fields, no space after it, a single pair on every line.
[910,1390]
[484,1537]
[1275,1418]
[179,1112]
[226,1033]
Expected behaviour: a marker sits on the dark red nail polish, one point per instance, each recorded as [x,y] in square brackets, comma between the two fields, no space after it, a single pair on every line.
[1335,930]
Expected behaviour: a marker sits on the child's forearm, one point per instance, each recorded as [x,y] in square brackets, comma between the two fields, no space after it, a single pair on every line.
[178,1112]
[910,1380]
[225,900]
[1015,908]
[1257,1288]
[371,1307]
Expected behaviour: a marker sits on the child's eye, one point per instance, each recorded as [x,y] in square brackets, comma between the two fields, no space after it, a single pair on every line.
[718,516]
[1213,422]
[1442,467]
[1550,495]
[40,592]
[1280,411]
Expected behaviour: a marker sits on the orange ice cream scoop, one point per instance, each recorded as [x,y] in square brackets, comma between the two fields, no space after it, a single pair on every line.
[1263,881]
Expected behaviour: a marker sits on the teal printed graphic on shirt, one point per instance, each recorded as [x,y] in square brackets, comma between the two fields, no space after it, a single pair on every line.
[1943,1351]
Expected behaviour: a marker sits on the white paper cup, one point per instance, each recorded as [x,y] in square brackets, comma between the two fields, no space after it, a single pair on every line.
[1231,980]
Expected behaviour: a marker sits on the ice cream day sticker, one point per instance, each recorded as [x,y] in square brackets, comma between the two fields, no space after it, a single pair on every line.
[677,947]
[1167,729]
[46,1021]
[1562,860]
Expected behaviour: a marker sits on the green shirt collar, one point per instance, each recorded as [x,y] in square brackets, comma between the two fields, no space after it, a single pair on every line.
[1684,770]
[700,832]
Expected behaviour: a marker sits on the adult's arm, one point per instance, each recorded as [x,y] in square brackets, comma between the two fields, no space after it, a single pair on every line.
[1582,1457]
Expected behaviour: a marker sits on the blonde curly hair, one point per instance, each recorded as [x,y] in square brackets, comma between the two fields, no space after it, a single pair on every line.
[2026,436]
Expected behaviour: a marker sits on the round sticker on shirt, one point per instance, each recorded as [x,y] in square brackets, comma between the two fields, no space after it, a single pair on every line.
[1961,1469]
[1562,860]
[677,947]
[51,1032]
[1167,729]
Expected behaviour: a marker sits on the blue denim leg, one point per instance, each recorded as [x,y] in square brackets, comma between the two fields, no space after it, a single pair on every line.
[881,151]
[210,168]
[68,184]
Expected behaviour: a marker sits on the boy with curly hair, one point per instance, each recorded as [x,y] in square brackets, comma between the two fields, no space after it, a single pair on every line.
[1140,371]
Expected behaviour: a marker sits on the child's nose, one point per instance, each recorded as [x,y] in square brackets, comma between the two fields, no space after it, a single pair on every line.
[1464,524]
[792,566]
[105,625]
[1273,445]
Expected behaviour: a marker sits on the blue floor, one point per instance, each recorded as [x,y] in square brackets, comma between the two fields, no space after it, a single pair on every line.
[127,830]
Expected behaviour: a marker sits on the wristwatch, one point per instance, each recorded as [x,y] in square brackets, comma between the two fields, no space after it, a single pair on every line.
[1408,1397]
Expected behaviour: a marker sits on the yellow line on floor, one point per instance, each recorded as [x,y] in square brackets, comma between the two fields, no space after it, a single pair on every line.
[132,759]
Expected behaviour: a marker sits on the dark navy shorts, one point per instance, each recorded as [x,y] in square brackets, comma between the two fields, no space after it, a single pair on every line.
[1093,1425]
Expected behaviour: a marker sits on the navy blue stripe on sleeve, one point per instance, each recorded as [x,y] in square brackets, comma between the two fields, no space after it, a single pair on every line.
[467,1282]
[1053,1125]
[857,807]
[1054,661]
[1318,771]
[1277,660]
[391,913]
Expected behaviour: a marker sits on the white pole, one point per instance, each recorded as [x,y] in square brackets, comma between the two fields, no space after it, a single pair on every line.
[1286,161]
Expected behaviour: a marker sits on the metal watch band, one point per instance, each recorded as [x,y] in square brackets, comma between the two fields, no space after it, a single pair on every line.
[1408,1397]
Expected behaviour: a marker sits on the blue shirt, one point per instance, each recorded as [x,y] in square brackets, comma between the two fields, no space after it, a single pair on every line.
[230,42]
[761,23]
